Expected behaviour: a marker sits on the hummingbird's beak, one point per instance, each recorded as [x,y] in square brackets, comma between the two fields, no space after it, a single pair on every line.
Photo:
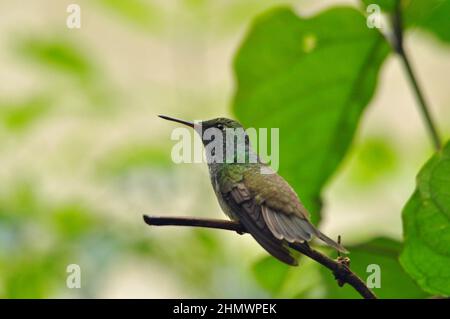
[190,124]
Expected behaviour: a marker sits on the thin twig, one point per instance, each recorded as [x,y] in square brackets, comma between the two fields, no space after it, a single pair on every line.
[397,24]
[340,267]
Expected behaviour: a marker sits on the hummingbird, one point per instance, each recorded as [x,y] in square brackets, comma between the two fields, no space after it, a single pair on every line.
[257,197]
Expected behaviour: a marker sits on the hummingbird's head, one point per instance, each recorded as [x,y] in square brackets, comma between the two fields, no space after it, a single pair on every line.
[220,133]
[220,123]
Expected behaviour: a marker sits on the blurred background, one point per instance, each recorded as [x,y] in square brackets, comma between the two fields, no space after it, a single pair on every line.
[83,155]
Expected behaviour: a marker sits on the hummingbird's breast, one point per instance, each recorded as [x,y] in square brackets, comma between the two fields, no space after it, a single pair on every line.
[213,174]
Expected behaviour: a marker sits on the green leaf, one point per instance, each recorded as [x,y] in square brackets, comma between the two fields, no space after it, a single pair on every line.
[426,225]
[430,15]
[385,5]
[382,252]
[311,78]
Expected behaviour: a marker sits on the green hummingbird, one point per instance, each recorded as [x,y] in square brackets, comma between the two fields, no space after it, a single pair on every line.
[264,203]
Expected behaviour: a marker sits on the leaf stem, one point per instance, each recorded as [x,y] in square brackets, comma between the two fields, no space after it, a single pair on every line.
[399,48]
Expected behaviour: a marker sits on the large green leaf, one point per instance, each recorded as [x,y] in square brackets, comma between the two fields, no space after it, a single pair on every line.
[430,15]
[426,223]
[312,78]
[385,5]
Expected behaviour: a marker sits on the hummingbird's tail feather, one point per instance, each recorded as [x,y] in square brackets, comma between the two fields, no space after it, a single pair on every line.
[295,229]
[331,242]
[311,229]
[285,227]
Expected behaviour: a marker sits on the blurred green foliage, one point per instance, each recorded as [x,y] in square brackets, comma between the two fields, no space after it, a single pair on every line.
[138,12]
[60,58]
[58,54]
[121,161]
[39,239]
[270,274]
[374,159]
[18,115]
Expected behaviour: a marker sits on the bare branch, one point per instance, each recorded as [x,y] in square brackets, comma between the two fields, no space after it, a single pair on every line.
[340,267]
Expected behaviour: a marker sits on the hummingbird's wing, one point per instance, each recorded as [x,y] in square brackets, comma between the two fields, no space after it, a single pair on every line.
[248,212]
[250,216]
[281,210]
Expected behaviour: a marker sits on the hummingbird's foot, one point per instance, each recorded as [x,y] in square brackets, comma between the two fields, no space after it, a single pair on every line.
[344,267]
[343,264]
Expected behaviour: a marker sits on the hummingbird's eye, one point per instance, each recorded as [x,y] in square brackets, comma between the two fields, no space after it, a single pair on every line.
[220,126]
